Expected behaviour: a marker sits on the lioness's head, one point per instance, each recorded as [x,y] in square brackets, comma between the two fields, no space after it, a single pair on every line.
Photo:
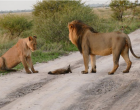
[32,43]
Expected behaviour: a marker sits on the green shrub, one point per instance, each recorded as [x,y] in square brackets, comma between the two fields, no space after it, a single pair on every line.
[15,24]
[51,18]
[137,12]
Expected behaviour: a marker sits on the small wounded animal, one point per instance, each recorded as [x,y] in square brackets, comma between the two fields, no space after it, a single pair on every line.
[61,71]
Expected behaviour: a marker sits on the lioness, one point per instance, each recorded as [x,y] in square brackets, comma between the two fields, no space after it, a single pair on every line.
[90,42]
[61,71]
[20,52]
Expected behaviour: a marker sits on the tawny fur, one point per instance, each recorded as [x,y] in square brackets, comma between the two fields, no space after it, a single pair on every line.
[20,52]
[90,42]
[61,71]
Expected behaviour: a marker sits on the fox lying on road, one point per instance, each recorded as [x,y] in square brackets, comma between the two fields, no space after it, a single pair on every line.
[61,71]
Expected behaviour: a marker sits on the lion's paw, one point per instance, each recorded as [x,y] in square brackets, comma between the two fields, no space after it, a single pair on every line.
[125,71]
[28,72]
[93,71]
[110,73]
[35,72]
[84,72]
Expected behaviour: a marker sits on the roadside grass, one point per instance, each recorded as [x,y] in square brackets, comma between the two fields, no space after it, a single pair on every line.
[103,12]
[107,24]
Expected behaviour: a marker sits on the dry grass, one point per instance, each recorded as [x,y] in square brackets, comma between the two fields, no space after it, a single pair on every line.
[25,14]
[5,37]
[103,12]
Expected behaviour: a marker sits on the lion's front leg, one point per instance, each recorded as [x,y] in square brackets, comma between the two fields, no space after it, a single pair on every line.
[29,61]
[86,61]
[23,60]
[93,63]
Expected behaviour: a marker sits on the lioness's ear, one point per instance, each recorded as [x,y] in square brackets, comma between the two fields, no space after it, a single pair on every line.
[35,37]
[30,38]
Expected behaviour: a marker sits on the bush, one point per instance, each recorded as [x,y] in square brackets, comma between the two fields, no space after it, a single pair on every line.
[119,7]
[51,18]
[137,12]
[14,24]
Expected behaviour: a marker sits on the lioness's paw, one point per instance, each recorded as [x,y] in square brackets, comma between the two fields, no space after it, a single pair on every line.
[28,72]
[84,72]
[110,73]
[35,72]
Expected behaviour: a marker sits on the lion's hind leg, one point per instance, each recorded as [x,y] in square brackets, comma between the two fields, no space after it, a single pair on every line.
[12,70]
[116,65]
[125,55]
[116,56]
[117,48]
[3,67]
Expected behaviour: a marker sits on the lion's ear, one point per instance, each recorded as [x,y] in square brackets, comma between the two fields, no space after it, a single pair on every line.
[71,26]
[30,38]
[35,37]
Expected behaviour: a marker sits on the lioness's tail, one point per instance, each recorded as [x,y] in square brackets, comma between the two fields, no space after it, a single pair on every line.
[130,46]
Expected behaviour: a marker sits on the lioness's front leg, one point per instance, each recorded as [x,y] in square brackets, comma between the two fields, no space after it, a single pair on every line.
[29,61]
[86,61]
[23,60]
[93,63]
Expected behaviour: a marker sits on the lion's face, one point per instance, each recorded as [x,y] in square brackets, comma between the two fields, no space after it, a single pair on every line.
[72,34]
[70,31]
[32,43]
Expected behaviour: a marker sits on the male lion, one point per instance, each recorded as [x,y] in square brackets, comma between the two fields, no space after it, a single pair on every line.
[90,42]
[61,71]
[20,52]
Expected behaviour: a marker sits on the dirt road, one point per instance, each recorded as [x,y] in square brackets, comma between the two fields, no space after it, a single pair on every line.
[75,91]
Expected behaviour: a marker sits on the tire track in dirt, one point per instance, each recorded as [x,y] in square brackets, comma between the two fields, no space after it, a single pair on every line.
[20,92]
[108,94]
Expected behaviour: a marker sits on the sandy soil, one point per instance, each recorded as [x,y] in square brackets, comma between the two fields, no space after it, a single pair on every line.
[74,91]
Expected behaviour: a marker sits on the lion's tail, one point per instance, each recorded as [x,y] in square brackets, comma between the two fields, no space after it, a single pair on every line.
[130,46]
[133,52]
